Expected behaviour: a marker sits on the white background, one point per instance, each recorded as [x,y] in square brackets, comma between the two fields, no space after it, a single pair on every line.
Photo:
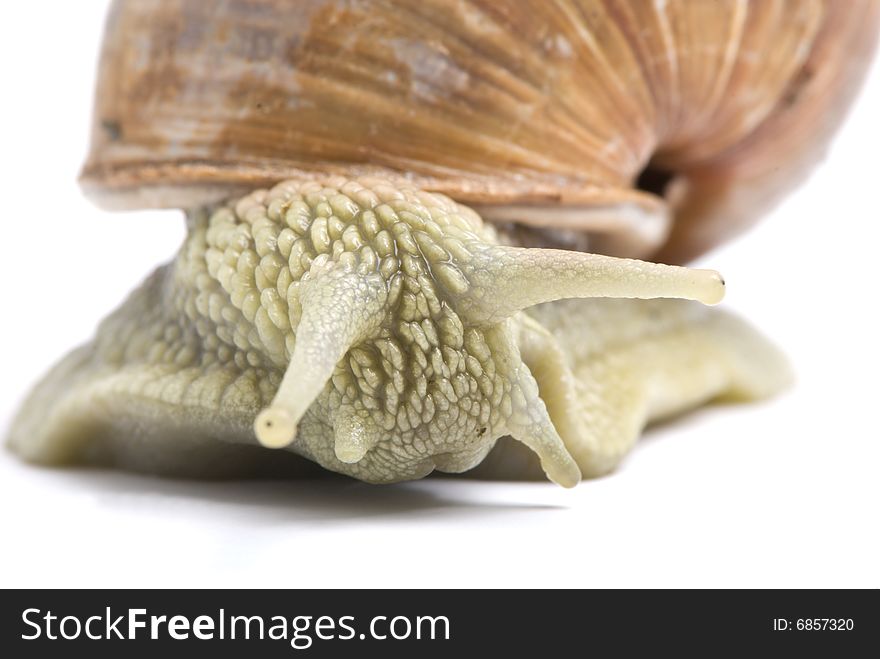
[777,494]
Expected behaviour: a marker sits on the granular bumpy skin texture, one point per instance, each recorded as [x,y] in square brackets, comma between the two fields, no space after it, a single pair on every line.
[380,332]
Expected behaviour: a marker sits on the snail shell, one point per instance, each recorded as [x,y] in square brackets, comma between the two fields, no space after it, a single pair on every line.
[653,129]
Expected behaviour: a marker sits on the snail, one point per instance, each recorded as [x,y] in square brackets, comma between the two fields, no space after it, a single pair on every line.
[413,228]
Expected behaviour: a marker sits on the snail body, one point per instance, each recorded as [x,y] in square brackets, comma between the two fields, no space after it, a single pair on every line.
[379,331]
[360,313]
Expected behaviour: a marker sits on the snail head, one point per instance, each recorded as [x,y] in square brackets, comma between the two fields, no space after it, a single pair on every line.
[394,316]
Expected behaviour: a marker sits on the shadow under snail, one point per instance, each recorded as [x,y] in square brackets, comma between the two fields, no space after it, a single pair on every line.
[402,217]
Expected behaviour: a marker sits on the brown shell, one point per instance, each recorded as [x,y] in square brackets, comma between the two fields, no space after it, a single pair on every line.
[610,117]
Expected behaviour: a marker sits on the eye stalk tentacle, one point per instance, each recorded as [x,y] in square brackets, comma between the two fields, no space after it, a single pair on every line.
[505,280]
[340,307]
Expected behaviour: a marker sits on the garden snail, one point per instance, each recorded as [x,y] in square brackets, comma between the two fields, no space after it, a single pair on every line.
[331,297]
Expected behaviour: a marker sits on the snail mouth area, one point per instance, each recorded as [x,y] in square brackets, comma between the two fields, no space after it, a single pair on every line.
[397,456]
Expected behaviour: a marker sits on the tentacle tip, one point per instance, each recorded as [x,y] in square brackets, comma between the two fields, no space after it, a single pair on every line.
[565,473]
[713,285]
[354,436]
[350,454]
[275,428]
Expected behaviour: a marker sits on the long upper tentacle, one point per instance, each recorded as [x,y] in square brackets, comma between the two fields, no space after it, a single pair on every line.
[505,280]
[339,308]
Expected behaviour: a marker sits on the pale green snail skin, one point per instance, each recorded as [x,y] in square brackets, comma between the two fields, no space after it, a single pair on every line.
[384,333]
